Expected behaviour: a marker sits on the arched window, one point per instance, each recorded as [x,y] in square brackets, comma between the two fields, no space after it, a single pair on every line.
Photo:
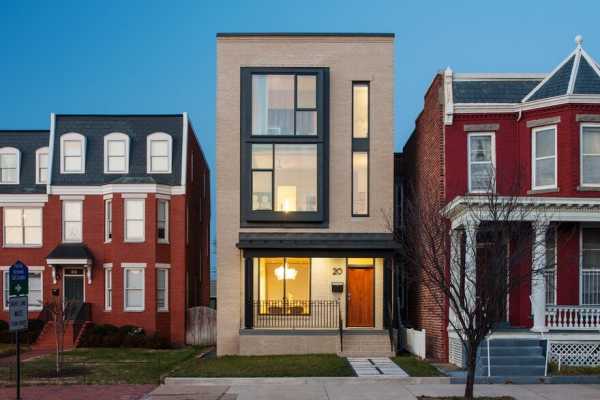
[116,153]
[41,166]
[10,160]
[72,153]
[159,147]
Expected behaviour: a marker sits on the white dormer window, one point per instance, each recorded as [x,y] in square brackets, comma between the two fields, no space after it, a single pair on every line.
[10,159]
[159,147]
[72,153]
[41,166]
[116,153]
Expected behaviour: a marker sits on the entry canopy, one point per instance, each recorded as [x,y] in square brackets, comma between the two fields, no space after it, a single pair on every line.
[70,253]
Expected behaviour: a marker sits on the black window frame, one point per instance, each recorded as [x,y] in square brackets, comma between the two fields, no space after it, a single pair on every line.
[270,218]
[361,145]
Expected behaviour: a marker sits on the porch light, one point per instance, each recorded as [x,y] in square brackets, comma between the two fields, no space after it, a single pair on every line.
[285,273]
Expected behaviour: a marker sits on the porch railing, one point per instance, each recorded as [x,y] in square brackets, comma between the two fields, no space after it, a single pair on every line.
[297,314]
[573,317]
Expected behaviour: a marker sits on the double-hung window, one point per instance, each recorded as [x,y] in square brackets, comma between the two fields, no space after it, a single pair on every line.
[108,287]
[159,146]
[590,266]
[41,166]
[360,149]
[9,166]
[134,286]
[22,227]
[116,153]
[72,221]
[72,153]
[162,289]
[544,158]
[135,220]
[35,296]
[108,220]
[284,135]
[482,160]
[590,155]
[162,221]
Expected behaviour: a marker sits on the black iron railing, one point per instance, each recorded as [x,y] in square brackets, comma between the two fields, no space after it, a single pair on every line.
[296,314]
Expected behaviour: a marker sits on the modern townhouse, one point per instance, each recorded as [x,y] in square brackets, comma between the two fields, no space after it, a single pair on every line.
[111,213]
[542,133]
[305,193]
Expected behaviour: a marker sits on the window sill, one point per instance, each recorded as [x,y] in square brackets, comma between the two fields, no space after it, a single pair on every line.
[588,188]
[543,190]
[162,242]
[163,311]
[108,310]
[25,246]
[134,241]
[136,310]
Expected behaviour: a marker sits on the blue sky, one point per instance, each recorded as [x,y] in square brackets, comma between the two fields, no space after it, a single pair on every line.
[159,56]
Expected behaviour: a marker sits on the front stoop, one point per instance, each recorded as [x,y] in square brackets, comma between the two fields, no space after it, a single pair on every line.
[511,358]
[366,344]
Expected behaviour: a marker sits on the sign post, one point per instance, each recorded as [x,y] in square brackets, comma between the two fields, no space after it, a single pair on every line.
[18,301]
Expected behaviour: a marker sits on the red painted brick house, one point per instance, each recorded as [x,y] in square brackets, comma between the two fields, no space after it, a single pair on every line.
[114,212]
[543,129]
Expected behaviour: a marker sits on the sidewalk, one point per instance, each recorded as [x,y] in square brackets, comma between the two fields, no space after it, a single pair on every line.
[78,392]
[359,388]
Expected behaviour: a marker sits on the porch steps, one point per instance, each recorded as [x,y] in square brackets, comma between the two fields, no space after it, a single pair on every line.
[511,358]
[366,344]
[47,339]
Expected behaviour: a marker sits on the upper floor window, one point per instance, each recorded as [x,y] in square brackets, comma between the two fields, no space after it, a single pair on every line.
[481,162]
[360,110]
[590,155]
[9,165]
[41,165]
[162,221]
[72,153]
[22,227]
[108,220]
[159,149]
[116,153]
[360,149]
[284,136]
[73,221]
[544,157]
[135,220]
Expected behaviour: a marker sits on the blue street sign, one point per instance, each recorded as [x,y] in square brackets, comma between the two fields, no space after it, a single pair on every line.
[18,276]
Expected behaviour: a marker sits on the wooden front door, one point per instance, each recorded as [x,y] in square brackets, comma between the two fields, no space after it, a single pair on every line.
[360,297]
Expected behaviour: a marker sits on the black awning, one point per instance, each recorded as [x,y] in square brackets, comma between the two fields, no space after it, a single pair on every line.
[317,241]
[70,251]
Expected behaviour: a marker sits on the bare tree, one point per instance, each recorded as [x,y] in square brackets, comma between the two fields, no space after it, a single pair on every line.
[469,255]
[58,317]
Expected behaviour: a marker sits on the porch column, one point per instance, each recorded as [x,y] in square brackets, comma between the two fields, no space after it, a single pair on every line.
[471,264]
[248,293]
[455,262]
[538,278]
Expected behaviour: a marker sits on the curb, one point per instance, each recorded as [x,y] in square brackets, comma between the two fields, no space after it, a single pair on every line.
[306,380]
[527,380]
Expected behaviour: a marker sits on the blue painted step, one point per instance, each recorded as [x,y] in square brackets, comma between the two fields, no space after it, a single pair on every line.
[511,358]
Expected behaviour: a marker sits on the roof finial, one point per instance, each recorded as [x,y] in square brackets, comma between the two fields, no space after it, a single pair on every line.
[579,40]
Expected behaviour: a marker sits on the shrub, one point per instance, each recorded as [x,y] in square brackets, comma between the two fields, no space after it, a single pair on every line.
[124,336]
[3,326]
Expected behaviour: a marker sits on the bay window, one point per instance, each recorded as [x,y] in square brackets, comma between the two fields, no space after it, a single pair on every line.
[134,220]
[544,158]
[481,162]
[284,138]
[162,221]
[134,287]
[162,289]
[108,220]
[590,155]
[22,227]
[108,288]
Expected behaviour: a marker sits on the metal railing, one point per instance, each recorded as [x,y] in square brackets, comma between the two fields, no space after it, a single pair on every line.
[573,317]
[297,314]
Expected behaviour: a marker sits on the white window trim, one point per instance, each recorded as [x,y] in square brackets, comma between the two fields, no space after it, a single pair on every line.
[116,136]
[108,271]
[581,154]
[167,210]
[40,270]
[159,136]
[68,137]
[166,271]
[108,203]
[126,267]
[492,135]
[126,239]
[534,158]
[39,152]
[13,150]
[64,202]
[12,246]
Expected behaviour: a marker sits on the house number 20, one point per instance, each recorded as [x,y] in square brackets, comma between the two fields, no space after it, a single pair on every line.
[337,271]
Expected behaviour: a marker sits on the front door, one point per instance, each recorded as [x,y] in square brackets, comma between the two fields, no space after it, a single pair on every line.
[360,297]
[73,286]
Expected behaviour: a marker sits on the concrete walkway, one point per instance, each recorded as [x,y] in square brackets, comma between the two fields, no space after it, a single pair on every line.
[379,366]
[355,389]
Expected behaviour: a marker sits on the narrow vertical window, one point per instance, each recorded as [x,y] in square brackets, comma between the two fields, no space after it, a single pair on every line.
[9,165]
[360,183]
[481,162]
[41,166]
[134,220]
[5,289]
[544,158]
[360,149]
[72,221]
[162,289]
[108,289]
[107,220]
[360,110]
[162,221]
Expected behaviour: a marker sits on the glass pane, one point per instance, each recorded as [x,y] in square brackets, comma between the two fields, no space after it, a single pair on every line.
[9,175]
[134,209]
[591,140]
[116,148]
[591,238]
[135,278]
[360,183]
[360,261]
[544,143]
[43,160]
[160,147]
[307,91]
[73,231]
[43,175]
[544,172]
[33,235]
[591,169]
[135,298]
[13,216]
[14,236]
[306,123]
[162,212]
[296,177]
[262,156]
[135,229]
[270,285]
[160,278]
[159,164]
[481,148]
[273,104]
[35,281]
[160,298]
[481,176]
[8,161]
[116,163]
[73,164]
[262,194]
[72,210]
[360,111]
[72,147]
[297,283]
[550,287]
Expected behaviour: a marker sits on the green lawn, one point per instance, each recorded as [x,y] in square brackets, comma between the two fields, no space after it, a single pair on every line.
[106,365]
[266,366]
[415,367]
[7,350]
[566,370]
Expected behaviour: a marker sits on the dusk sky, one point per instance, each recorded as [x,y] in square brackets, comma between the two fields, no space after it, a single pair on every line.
[141,57]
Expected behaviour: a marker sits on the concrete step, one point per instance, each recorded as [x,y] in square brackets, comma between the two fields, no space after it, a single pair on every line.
[513,351]
[512,343]
[512,360]
[513,370]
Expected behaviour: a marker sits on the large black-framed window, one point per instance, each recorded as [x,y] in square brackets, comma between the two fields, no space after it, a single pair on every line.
[360,148]
[284,146]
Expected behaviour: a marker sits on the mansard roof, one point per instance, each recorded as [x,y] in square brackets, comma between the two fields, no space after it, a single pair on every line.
[27,142]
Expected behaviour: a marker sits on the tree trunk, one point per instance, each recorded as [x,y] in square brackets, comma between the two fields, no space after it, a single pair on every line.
[471,365]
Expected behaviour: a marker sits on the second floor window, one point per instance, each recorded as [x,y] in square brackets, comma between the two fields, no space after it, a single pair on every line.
[590,155]
[162,221]
[107,220]
[9,165]
[481,162]
[72,221]
[22,227]
[134,220]
[544,158]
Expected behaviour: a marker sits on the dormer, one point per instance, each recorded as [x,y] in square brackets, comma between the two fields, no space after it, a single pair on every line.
[159,148]
[10,160]
[116,153]
[72,153]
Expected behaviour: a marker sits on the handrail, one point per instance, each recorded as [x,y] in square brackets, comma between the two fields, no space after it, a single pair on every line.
[548,351]
[488,358]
